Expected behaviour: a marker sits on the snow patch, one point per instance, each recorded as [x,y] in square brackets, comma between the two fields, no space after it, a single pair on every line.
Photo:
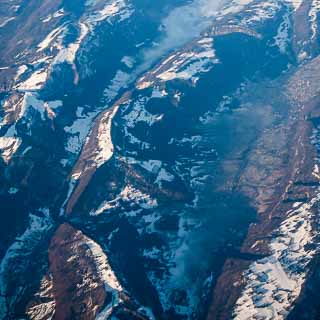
[156,93]
[129,195]
[79,130]
[282,37]
[190,64]
[313,15]
[17,256]
[108,277]
[120,81]
[105,145]
[13,190]
[140,114]
[128,61]
[35,81]
[55,15]
[68,54]
[44,44]
[275,282]
[9,144]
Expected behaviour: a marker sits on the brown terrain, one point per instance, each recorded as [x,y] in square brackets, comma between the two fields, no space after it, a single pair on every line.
[28,31]
[85,167]
[278,172]
[76,295]
[73,287]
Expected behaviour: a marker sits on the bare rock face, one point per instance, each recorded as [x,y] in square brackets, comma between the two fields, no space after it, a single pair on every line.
[80,283]
[43,305]
[80,294]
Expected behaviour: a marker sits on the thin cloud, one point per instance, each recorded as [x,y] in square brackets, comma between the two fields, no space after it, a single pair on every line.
[180,26]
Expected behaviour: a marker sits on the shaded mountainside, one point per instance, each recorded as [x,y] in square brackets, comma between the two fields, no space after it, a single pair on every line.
[159,161]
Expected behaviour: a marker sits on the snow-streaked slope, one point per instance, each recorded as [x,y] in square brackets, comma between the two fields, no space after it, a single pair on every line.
[275,282]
